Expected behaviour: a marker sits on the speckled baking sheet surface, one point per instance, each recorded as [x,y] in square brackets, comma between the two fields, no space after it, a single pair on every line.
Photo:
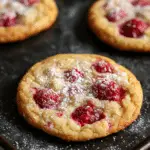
[70,34]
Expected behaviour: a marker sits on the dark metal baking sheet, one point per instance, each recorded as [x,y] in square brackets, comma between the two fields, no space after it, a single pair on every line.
[70,34]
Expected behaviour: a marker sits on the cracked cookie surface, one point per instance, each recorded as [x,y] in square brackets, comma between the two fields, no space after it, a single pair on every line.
[79,97]
[123,24]
[20,19]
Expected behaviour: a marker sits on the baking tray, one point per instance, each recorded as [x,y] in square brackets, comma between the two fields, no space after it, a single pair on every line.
[70,34]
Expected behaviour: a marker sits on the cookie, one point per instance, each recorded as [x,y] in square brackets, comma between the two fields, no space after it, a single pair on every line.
[20,19]
[79,97]
[123,24]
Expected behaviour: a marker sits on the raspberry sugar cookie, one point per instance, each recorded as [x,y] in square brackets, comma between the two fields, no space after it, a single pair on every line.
[20,19]
[124,24]
[79,97]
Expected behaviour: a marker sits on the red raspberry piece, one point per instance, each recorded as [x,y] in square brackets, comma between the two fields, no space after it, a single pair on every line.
[59,114]
[105,89]
[142,2]
[73,75]
[87,114]
[102,66]
[1,23]
[29,2]
[115,15]
[133,28]
[7,20]
[133,1]
[46,98]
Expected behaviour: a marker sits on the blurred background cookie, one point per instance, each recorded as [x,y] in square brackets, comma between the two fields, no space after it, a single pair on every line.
[124,24]
[23,18]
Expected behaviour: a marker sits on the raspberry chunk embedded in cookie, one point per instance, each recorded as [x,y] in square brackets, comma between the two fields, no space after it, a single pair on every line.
[87,114]
[29,2]
[59,114]
[116,15]
[133,1]
[46,98]
[105,89]
[73,75]
[142,2]
[7,20]
[102,66]
[133,28]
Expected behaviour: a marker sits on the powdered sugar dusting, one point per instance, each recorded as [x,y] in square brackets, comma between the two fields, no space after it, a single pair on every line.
[12,6]
[77,82]
[113,148]
[77,93]
[139,127]
[14,12]
[143,12]
[116,6]
[77,85]
[121,78]
[54,72]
